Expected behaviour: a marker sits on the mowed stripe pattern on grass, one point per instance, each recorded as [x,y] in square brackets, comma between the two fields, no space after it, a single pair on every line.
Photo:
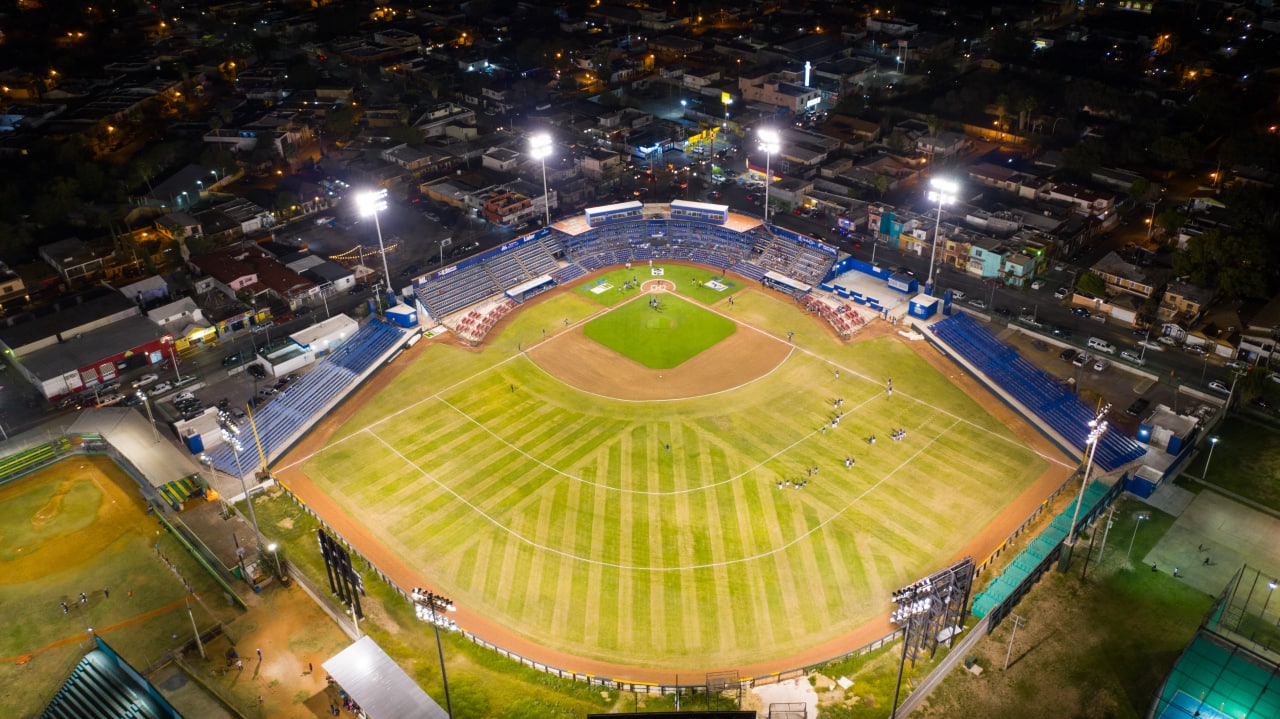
[566,517]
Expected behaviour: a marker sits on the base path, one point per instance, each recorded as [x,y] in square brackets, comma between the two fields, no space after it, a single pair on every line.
[405,576]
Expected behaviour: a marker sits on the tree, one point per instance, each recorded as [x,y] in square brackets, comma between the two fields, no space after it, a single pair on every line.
[882,185]
[1231,261]
[1139,188]
[1091,284]
[1170,221]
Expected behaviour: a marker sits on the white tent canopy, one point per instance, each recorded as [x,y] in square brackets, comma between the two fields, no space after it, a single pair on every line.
[378,685]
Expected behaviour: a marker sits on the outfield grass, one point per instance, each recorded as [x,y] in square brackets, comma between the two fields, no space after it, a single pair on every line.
[81,526]
[659,336]
[1245,462]
[566,517]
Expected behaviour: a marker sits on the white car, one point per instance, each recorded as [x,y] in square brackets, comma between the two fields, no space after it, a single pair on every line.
[1101,364]
[1037,284]
[146,379]
[162,388]
[1217,386]
[183,396]
[1060,293]
[1235,364]
[1167,340]
[977,304]
[957,295]
[1156,346]
[1133,357]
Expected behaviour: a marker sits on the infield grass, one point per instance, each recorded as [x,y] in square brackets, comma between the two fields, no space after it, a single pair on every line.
[659,336]
[655,533]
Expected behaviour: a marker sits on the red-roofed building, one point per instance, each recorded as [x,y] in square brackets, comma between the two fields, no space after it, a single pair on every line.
[249,269]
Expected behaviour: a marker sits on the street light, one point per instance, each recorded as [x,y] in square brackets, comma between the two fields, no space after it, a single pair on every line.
[540,148]
[146,402]
[770,142]
[944,193]
[371,203]
[1097,428]
[173,356]
[1213,442]
[1141,516]
[231,434]
[1271,589]
[274,555]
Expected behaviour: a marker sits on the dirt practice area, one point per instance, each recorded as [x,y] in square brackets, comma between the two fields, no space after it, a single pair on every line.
[580,362]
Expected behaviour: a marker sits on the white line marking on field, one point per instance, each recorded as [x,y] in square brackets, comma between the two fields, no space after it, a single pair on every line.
[628,567]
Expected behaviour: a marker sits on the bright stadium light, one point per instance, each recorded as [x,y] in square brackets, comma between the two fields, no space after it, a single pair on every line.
[371,203]
[540,148]
[1097,428]
[770,142]
[944,193]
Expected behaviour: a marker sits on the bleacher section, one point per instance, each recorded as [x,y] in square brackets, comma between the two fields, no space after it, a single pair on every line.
[1038,392]
[474,325]
[16,465]
[99,688]
[303,400]
[493,272]
[749,254]
[1028,559]
[842,316]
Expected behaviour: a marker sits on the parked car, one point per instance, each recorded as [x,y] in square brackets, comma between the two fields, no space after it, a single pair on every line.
[1218,386]
[1040,345]
[1133,357]
[357,289]
[256,371]
[957,295]
[146,379]
[1236,364]
[1261,403]
[232,359]
[1196,350]
[1003,311]
[184,396]
[266,392]
[1060,293]
[977,304]
[1167,340]
[1138,407]
[1060,331]
[1102,364]
[1079,312]
[1100,317]
[1037,284]
[1082,359]
[1152,346]
[1059,266]
[162,388]
[1067,354]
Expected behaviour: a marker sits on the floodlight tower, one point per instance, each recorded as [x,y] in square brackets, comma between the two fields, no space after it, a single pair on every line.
[540,148]
[231,434]
[1097,428]
[944,193]
[770,142]
[371,203]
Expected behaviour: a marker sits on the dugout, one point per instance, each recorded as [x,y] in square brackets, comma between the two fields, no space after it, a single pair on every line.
[923,306]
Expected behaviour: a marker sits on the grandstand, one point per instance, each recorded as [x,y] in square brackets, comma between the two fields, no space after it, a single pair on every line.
[614,235]
[1035,391]
[306,400]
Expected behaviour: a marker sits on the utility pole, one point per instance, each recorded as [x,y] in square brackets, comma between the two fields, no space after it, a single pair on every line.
[1017,622]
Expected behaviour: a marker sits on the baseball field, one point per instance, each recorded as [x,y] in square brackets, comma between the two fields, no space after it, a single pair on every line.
[81,555]
[712,511]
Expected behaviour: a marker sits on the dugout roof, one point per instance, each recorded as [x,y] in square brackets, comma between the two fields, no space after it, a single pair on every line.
[378,685]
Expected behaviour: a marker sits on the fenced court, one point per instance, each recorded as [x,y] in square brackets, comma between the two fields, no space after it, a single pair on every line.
[708,530]
[81,526]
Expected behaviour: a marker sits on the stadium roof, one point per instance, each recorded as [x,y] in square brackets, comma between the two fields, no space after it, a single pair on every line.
[378,685]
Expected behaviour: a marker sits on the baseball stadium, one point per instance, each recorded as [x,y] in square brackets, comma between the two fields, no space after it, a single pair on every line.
[658,439]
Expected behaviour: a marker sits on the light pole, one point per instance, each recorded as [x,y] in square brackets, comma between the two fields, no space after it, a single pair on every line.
[540,148]
[371,203]
[1097,428]
[1213,442]
[1151,221]
[231,434]
[1271,589]
[770,142]
[146,402]
[173,356]
[431,599]
[273,548]
[944,193]
[1141,517]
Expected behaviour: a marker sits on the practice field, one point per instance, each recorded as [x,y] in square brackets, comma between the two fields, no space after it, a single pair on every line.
[81,526]
[672,533]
